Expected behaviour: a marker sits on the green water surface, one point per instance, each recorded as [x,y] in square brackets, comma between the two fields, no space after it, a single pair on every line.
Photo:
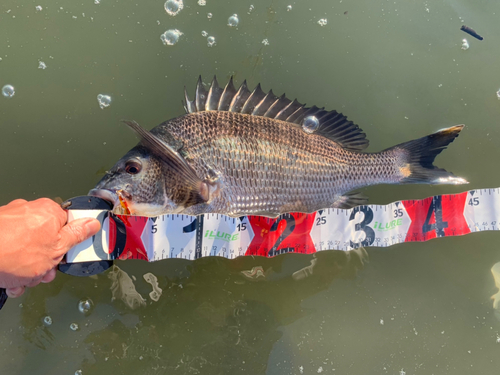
[394,67]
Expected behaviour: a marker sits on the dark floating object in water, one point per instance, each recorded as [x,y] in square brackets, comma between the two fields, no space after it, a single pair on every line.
[472,32]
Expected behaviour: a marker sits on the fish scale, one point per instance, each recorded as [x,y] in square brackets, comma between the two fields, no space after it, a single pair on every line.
[302,184]
[240,153]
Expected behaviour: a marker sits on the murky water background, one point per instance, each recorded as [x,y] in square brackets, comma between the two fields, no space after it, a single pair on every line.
[394,67]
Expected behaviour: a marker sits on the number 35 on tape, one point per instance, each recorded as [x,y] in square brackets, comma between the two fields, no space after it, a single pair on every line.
[189,237]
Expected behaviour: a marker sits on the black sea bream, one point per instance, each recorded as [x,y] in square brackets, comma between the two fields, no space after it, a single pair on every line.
[239,152]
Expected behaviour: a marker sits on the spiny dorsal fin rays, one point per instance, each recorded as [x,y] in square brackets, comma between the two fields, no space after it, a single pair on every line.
[261,108]
[227,96]
[213,96]
[288,110]
[201,96]
[189,106]
[277,106]
[332,124]
[255,97]
[172,159]
[240,98]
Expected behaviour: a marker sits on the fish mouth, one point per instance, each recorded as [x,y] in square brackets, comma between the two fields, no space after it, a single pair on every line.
[107,195]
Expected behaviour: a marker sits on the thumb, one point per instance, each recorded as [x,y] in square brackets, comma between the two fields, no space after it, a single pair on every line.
[77,231]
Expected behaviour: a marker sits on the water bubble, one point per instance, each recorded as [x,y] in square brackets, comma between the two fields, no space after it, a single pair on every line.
[210,41]
[8,91]
[310,124]
[465,44]
[47,320]
[233,20]
[202,3]
[85,306]
[322,22]
[97,2]
[170,37]
[288,8]
[265,42]
[38,8]
[498,94]
[104,101]
[42,65]
[250,9]
[173,7]
[74,326]
[204,33]
[78,372]
[209,15]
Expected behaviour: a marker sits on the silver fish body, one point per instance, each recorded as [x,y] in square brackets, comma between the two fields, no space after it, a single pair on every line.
[240,153]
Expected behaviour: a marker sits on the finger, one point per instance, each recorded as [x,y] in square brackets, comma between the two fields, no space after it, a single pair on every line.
[17,202]
[49,206]
[15,292]
[77,231]
[49,276]
[34,283]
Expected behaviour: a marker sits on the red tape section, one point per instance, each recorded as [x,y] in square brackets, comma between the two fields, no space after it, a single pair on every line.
[438,216]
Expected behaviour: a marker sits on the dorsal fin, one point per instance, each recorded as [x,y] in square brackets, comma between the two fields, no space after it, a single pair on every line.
[331,124]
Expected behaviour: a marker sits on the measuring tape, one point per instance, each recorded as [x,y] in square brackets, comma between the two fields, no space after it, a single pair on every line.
[193,237]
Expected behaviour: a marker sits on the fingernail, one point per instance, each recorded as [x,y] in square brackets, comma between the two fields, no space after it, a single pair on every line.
[92,227]
[15,292]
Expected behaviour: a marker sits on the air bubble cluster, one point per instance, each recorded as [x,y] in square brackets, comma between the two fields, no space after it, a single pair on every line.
[465,44]
[170,37]
[173,7]
[104,100]
[210,41]
[323,22]
[233,21]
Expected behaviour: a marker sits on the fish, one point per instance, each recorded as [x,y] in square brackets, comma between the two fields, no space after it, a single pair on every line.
[241,152]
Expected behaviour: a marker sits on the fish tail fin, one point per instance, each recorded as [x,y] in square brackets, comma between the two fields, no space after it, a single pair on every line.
[420,154]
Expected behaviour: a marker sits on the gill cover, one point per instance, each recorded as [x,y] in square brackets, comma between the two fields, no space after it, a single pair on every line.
[188,189]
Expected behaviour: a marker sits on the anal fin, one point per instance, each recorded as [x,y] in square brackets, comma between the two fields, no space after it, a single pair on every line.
[350,200]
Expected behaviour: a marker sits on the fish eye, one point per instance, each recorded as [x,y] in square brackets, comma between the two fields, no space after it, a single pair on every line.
[133,167]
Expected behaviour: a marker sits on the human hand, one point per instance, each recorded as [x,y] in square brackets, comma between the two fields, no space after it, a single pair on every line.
[34,237]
